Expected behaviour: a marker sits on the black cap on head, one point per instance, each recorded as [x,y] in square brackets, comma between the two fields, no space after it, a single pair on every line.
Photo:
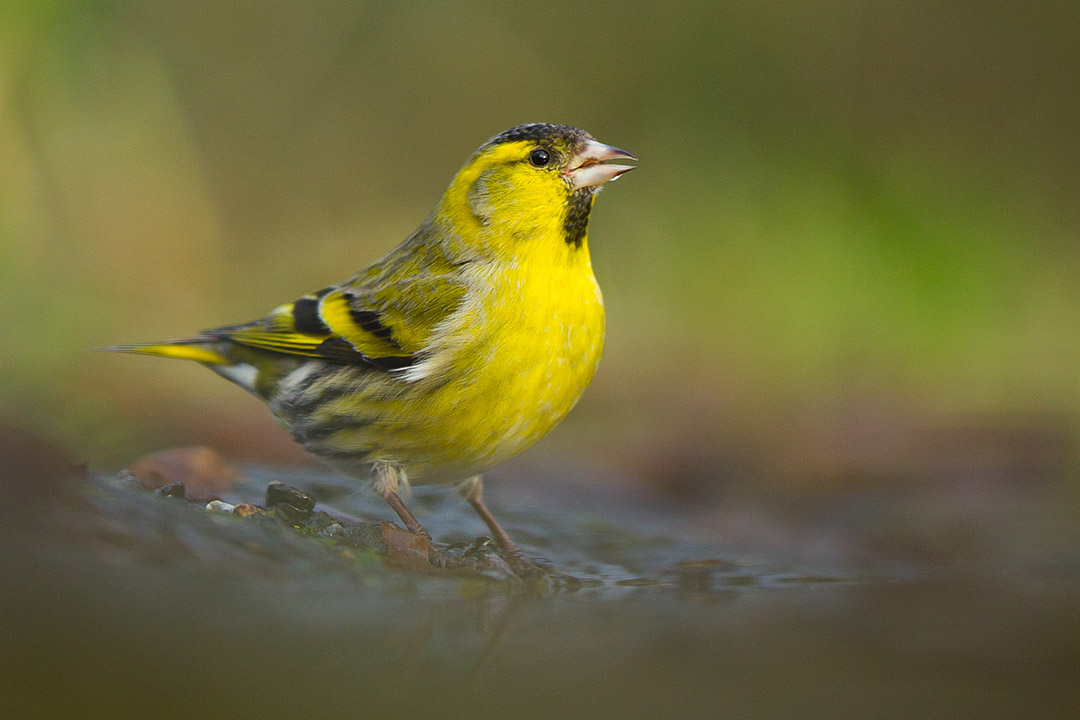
[542,131]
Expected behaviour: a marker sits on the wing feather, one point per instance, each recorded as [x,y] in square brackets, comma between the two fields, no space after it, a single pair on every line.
[385,325]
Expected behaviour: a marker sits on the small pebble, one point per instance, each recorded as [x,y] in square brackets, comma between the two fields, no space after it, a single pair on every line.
[290,514]
[278,493]
[248,510]
[218,506]
[172,490]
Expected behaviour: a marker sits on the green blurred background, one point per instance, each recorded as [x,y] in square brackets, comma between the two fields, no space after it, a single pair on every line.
[850,254]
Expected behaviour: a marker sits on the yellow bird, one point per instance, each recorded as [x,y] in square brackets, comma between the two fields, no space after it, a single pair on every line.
[461,347]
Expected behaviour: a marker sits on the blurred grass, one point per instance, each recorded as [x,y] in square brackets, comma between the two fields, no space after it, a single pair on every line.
[845,209]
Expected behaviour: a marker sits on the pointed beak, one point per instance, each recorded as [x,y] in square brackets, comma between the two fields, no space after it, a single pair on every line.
[590,166]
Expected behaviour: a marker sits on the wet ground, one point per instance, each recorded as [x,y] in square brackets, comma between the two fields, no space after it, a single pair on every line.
[121,602]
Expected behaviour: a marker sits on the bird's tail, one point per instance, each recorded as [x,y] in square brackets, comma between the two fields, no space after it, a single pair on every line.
[233,362]
[198,349]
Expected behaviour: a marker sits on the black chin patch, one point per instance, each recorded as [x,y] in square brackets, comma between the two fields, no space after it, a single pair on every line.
[576,223]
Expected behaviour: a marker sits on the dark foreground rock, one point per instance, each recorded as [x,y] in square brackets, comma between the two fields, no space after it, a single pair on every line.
[292,509]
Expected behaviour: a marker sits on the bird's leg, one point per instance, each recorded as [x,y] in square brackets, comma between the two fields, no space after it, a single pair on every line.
[387,479]
[473,492]
[411,523]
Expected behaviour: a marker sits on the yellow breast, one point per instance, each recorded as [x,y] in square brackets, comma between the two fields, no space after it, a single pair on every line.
[518,358]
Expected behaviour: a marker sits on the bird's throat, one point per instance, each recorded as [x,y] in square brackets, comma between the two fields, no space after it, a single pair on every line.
[576,224]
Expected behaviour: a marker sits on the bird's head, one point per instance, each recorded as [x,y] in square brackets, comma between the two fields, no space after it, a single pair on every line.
[533,182]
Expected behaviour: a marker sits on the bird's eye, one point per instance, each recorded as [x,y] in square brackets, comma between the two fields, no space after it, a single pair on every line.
[539,158]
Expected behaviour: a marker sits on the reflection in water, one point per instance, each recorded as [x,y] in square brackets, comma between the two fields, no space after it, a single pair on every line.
[125,603]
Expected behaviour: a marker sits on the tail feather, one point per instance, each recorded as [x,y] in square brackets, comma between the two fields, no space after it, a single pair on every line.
[192,349]
[235,363]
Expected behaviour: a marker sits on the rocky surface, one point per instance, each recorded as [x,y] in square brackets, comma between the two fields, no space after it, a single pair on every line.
[289,593]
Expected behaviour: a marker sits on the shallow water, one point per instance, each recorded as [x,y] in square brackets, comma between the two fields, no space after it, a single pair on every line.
[122,603]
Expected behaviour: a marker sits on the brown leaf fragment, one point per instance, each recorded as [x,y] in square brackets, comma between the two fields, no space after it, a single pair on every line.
[202,470]
[406,549]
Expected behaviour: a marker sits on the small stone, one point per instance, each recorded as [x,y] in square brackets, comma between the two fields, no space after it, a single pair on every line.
[334,530]
[217,506]
[278,493]
[290,514]
[246,510]
[172,490]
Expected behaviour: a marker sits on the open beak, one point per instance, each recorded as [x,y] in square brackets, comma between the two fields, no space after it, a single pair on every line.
[590,167]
